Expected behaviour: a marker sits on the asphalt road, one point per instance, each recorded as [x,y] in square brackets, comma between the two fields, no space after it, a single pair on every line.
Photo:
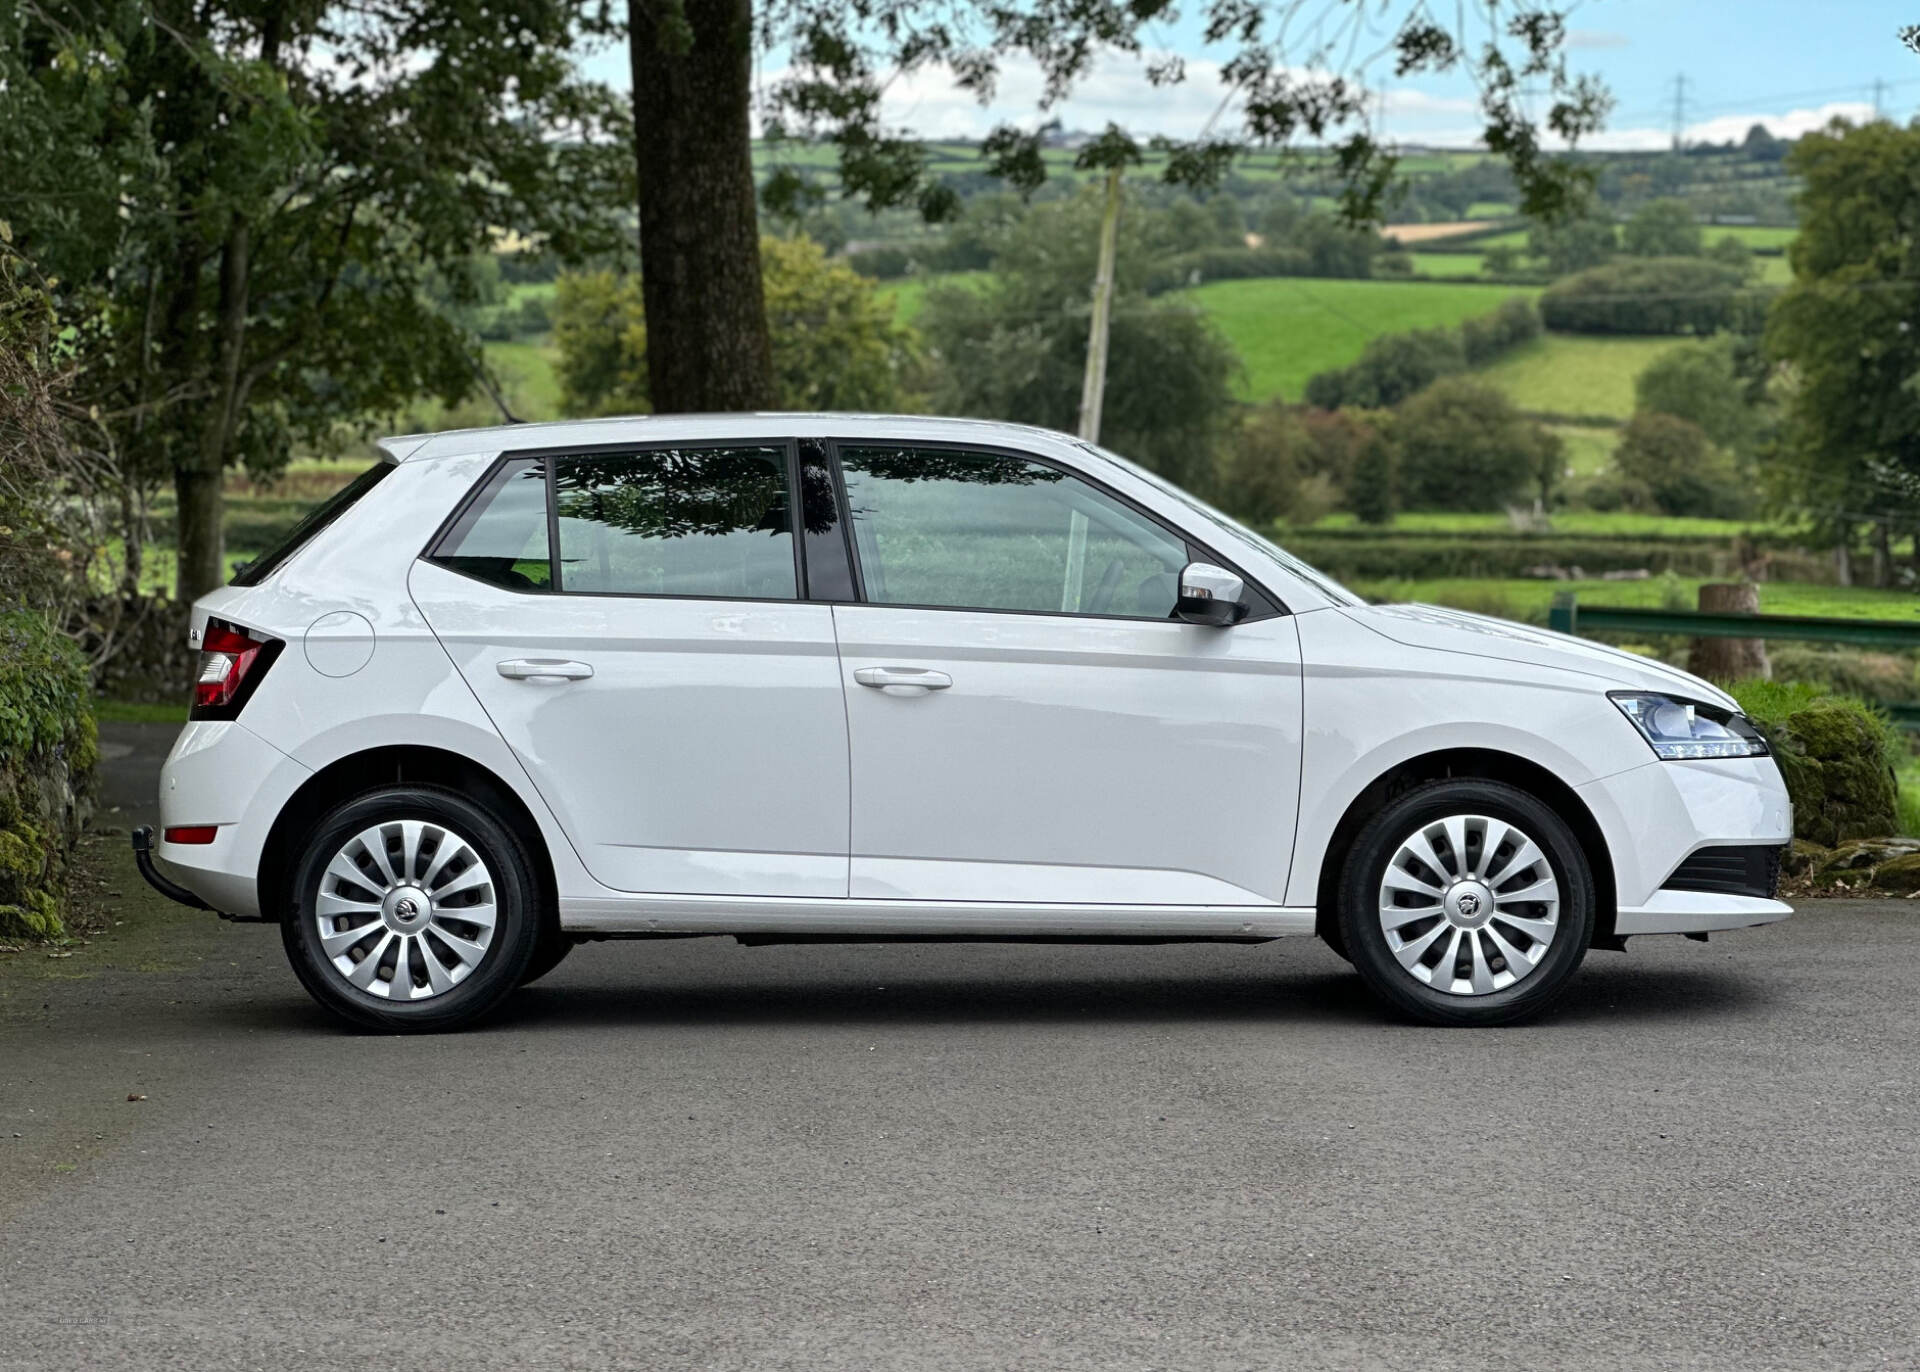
[695,1155]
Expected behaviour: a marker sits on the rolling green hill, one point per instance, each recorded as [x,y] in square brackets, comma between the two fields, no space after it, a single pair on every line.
[1287,328]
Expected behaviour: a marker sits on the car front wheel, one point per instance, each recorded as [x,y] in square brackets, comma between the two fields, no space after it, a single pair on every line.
[1467,902]
[414,910]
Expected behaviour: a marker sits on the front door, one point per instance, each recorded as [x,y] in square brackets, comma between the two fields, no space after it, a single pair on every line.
[632,624]
[1027,721]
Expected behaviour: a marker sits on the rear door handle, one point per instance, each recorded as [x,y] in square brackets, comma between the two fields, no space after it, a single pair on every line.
[543,669]
[916,678]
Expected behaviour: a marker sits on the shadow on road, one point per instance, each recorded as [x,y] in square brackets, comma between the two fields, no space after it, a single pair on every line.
[1621,994]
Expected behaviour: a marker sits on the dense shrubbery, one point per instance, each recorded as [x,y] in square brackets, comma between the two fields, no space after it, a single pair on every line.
[1463,446]
[1642,295]
[1838,757]
[1357,556]
[47,750]
[1680,472]
[1394,366]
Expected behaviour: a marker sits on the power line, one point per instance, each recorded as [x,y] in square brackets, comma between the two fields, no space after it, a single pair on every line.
[1679,110]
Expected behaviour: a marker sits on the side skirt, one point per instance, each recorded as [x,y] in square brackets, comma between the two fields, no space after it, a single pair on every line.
[858,920]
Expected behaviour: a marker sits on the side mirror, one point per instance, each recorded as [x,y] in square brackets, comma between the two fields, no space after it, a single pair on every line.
[1210,595]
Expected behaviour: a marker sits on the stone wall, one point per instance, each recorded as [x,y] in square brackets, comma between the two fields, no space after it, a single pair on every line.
[48,746]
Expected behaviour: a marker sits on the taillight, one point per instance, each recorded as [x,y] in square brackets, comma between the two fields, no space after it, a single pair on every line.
[232,662]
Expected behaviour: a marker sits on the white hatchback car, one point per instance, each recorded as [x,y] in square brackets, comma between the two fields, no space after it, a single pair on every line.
[806,677]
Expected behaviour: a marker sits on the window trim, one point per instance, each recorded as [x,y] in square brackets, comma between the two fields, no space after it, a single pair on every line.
[1272,608]
[787,446]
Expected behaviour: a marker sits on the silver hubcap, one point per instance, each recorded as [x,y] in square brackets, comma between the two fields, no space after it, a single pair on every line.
[1469,905]
[406,910]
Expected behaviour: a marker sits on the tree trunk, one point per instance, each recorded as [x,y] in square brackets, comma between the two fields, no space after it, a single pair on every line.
[1882,554]
[707,341]
[1843,555]
[1729,659]
[197,484]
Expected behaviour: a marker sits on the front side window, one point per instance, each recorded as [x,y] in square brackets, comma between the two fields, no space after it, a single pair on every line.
[697,522]
[989,531]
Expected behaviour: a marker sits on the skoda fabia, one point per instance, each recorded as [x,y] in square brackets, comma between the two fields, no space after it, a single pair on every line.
[834,677]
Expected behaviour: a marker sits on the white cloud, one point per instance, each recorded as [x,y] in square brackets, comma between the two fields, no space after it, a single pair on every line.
[1731,128]
[1593,39]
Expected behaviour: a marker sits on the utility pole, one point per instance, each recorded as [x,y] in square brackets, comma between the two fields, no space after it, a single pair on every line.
[1679,111]
[1879,98]
[1093,390]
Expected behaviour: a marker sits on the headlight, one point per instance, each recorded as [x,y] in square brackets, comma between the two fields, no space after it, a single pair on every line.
[1677,728]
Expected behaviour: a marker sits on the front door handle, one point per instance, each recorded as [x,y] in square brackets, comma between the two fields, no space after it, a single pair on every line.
[543,669]
[914,678]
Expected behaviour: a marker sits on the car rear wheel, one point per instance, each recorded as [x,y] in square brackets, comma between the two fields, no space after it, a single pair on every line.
[414,910]
[1467,902]
[548,953]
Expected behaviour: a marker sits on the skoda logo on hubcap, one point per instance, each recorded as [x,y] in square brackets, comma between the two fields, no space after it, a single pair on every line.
[406,909]
[1469,905]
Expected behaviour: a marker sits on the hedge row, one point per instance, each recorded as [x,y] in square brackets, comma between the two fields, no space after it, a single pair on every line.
[1425,556]
[48,747]
[1394,366]
[1643,295]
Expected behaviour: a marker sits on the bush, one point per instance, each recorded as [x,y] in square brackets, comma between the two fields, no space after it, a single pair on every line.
[1395,366]
[1365,555]
[1883,678]
[1652,295]
[1838,756]
[1225,264]
[1681,470]
[48,746]
[885,262]
[1699,382]
[1463,446]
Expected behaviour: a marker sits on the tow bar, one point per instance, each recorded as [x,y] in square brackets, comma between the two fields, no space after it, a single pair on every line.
[143,858]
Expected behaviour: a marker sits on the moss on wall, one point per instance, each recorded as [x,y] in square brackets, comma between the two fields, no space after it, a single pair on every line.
[48,747]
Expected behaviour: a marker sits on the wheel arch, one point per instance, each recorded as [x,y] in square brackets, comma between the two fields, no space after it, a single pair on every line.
[397,765]
[1487,764]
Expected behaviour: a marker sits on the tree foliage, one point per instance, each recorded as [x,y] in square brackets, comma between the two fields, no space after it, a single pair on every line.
[1678,467]
[1846,328]
[1699,382]
[242,203]
[1015,348]
[835,343]
[1292,67]
[1463,446]
[1662,228]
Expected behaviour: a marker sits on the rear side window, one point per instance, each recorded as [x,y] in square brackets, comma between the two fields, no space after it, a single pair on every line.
[501,538]
[697,522]
[254,572]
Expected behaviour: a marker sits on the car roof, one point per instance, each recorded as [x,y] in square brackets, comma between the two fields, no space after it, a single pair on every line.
[707,427]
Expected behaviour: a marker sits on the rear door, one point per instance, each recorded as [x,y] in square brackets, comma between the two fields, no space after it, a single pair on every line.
[632,622]
[1027,721]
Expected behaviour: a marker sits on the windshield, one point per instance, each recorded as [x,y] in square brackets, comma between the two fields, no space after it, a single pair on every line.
[1326,585]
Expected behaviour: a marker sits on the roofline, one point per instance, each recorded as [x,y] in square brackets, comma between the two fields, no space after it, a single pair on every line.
[405,447]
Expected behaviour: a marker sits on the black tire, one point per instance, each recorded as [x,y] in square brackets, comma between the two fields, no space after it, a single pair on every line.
[1359,909]
[548,953]
[514,892]
[1335,937]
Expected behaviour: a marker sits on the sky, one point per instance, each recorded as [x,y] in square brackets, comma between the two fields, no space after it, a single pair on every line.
[1790,66]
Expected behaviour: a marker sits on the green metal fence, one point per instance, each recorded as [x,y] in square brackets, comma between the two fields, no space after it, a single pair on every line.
[1569,617]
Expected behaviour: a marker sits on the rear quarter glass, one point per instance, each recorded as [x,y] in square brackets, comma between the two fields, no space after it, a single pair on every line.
[254,572]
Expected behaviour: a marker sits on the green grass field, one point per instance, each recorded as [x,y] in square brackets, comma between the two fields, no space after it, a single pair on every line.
[1586,523]
[1589,450]
[1446,263]
[1287,328]
[526,368]
[1753,235]
[910,293]
[1575,373]
[1529,600]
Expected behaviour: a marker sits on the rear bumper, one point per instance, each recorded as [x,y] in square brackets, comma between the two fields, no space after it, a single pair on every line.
[221,773]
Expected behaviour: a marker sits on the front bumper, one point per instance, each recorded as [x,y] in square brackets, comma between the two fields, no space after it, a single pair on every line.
[1657,815]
